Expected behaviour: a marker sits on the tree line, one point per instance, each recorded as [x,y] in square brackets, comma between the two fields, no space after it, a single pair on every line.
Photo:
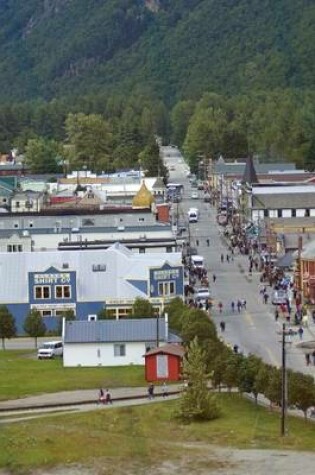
[108,133]
[208,358]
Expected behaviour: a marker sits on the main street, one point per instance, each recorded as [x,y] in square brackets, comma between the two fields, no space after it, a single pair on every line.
[254,330]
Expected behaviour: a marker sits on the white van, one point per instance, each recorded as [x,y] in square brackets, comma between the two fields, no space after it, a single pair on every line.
[193,215]
[50,349]
[197,261]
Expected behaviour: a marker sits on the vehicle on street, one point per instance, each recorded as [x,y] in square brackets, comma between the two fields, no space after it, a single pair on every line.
[197,261]
[279,297]
[202,294]
[50,350]
[194,195]
[207,198]
[193,215]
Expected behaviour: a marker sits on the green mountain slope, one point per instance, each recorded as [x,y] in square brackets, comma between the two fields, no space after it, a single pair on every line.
[172,48]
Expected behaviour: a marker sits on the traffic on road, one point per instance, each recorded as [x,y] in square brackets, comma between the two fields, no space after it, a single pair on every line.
[228,284]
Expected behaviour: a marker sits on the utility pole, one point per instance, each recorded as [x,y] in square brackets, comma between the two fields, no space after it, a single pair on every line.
[284,385]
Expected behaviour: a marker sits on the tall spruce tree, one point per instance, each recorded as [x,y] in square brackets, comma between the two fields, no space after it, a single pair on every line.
[197,403]
[7,325]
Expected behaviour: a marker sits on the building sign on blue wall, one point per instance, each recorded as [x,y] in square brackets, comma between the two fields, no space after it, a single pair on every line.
[57,278]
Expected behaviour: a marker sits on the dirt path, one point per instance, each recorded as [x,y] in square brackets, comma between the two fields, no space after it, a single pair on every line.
[202,459]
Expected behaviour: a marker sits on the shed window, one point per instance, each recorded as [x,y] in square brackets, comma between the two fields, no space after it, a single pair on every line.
[119,350]
[161,366]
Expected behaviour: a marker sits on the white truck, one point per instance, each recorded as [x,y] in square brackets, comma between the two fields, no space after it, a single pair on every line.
[193,215]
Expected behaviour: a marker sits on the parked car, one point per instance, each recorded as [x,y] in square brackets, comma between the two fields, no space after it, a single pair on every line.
[279,297]
[194,195]
[202,294]
[50,350]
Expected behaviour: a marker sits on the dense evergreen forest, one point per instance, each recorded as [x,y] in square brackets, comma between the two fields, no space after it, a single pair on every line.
[231,77]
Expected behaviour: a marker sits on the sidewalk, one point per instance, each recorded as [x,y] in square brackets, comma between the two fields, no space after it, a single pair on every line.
[86,396]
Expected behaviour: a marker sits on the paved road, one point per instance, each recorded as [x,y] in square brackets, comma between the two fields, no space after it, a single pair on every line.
[253,330]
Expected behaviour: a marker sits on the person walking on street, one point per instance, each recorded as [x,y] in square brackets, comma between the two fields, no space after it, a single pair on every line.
[108,397]
[244,303]
[101,397]
[300,332]
[276,314]
[220,305]
[266,298]
[227,258]
[239,306]
[222,258]
[233,306]
[214,278]
[222,326]
[151,391]
[307,359]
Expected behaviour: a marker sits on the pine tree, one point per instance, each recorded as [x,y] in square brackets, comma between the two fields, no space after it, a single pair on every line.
[197,403]
[34,325]
[7,325]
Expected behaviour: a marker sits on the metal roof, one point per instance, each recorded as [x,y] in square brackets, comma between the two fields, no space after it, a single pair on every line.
[107,331]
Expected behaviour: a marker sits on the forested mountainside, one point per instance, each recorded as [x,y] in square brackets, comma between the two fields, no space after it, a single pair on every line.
[93,82]
[173,49]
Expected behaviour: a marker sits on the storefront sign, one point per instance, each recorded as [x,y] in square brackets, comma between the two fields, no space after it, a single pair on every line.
[60,278]
[166,274]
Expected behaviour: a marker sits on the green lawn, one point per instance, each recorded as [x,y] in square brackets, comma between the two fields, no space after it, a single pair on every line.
[144,436]
[21,374]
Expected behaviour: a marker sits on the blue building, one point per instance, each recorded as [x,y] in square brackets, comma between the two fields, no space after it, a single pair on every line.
[86,282]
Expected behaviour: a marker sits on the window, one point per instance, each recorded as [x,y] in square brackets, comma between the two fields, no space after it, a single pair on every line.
[141,220]
[14,248]
[31,224]
[293,213]
[167,288]
[63,292]
[286,213]
[124,312]
[99,267]
[279,213]
[141,250]
[119,350]
[42,292]
[161,366]
[46,313]
[300,213]
[17,204]
[169,249]
[88,222]
[307,213]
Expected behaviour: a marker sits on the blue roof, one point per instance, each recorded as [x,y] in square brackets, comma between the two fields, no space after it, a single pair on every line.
[107,331]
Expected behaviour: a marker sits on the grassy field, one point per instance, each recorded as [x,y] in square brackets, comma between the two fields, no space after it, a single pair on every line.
[144,437]
[21,374]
